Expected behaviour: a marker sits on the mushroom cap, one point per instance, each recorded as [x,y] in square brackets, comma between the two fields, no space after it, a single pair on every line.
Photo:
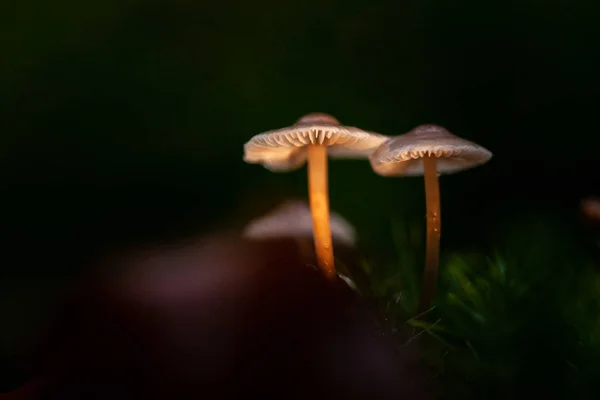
[285,149]
[401,155]
[294,219]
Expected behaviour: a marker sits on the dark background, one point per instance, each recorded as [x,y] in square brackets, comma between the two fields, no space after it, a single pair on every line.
[124,121]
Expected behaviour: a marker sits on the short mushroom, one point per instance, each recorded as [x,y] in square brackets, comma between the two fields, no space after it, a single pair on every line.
[310,139]
[292,219]
[428,150]
[590,207]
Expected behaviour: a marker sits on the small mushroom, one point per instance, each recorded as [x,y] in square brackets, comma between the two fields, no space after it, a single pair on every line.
[428,150]
[590,208]
[310,139]
[293,220]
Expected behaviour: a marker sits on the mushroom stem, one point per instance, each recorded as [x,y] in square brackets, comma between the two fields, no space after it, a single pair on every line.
[319,206]
[432,255]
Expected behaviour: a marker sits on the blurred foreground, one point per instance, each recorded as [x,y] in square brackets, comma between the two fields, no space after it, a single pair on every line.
[216,317]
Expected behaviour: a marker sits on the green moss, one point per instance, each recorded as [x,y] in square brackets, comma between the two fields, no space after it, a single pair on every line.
[520,314]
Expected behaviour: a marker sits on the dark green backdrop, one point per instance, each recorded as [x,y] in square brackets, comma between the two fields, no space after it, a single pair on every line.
[124,121]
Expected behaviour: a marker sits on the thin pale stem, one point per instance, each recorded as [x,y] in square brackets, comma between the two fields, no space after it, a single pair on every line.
[432,255]
[319,205]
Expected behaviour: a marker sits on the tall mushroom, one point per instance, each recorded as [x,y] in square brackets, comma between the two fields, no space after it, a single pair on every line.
[310,139]
[428,150]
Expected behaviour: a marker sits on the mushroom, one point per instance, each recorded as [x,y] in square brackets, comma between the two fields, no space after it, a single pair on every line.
[310,139]
[590,208]
[292,219]
[428,150]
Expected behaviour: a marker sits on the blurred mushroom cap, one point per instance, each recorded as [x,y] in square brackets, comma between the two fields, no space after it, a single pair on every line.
[294,219]
[590,208]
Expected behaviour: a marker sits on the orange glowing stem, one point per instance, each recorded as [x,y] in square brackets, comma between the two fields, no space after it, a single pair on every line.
[319,205]
[432,255]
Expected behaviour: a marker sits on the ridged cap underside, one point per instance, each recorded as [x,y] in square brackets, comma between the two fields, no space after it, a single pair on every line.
[452,154]
[300,136]
[275,148]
